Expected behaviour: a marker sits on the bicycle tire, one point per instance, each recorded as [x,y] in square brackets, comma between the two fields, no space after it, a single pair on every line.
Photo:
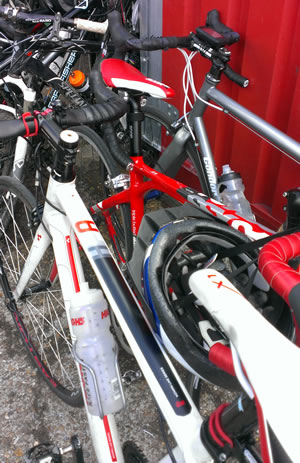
[6,147]
[40,318]
[100,164]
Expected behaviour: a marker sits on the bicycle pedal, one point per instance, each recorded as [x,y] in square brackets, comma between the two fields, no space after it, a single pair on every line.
[130,376]
[51,453]
[43,453]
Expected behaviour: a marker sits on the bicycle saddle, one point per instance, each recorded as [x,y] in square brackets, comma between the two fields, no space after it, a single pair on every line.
[119,74]
[270,360]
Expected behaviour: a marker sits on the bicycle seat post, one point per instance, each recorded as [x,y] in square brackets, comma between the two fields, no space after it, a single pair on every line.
[135,119]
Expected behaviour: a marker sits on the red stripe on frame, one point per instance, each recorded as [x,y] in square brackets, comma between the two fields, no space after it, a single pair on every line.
[109,439]
[262,433]
[72,264]
[53,273]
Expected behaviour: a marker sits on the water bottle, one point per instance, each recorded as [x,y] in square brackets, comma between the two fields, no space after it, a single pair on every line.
[96,348]
[231,189]
[79,81]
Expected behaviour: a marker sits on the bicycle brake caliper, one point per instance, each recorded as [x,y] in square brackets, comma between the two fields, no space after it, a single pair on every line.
[120,181]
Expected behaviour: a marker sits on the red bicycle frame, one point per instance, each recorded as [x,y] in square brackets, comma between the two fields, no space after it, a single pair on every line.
[134,196]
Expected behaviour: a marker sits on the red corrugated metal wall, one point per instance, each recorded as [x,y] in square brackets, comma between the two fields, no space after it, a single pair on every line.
[268,54]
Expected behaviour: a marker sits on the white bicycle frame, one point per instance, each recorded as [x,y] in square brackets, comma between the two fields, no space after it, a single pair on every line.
[269,358]
[178,409]
[22,147]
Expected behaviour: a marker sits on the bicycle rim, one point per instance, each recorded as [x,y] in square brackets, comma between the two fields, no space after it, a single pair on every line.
[40,316]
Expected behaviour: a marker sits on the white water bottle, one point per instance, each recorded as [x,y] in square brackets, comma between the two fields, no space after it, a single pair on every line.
[96,347]
[231,189]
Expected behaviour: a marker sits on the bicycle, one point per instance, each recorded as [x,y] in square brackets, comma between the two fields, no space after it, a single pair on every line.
[183,195]
[162,179]
[188,137]
[95,248]
[234,315]
[63,218]
[130,235]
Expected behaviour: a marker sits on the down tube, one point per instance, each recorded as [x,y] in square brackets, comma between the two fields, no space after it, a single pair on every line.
[182,416]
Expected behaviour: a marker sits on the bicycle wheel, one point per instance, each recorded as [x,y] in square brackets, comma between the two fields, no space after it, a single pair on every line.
[40,316]
[6,147]
[185,327]
[94,164]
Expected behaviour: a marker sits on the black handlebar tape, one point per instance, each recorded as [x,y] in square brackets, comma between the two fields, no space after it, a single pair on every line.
[123,41]
[15,128]
[119,34]
[214,22]
[101,92]
[158,43]
[113,144]
[91,114]
[235,77]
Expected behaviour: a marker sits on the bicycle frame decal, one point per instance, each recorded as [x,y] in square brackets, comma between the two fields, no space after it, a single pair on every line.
[72,264]
[151,351]
[86,226]
[230,216]
[220,284]
[64,75]
[83,5]
[109,439]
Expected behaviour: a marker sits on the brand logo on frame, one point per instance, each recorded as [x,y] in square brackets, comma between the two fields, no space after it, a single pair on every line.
[104,314]
[86,226]
[77,321]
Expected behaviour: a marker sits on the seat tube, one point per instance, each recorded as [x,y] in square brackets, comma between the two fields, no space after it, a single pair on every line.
[196,119]
[136,197]
[135,119]
[207,157]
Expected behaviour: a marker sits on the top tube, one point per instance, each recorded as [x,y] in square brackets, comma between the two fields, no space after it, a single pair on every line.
[274,135]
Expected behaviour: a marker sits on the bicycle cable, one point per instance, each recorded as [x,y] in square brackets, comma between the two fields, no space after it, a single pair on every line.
[191,84]
[39,170]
